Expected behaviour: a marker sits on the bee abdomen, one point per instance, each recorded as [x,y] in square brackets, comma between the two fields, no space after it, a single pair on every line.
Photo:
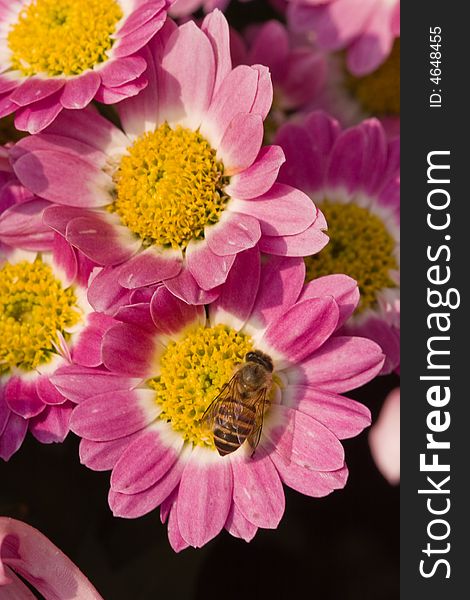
[229,436]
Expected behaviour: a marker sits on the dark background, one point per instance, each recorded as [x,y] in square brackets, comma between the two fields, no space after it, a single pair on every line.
[342,547]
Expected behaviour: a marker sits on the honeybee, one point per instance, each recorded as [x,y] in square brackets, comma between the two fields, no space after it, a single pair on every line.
[236,414]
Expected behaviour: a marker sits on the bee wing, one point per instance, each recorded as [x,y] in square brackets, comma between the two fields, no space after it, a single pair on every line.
[255,435]
[212,411]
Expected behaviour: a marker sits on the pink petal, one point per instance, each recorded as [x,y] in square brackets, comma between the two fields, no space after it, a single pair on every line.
[80,383]
[22,226]
[235,302]
[102,456]
[117,94]
[131,506]
[87,346]
[36,117]
[37,560]
[80,91]
[128,349]
[138,315]
[303,328]
[233,233]
[34,89]
[215,27]
[141,14]
[283,210]
[104,292]
[188,91]
[259,177]
[64,178]
[264,93]
[343,289]
[271,45]
[135,40]
[204,499]
[238,526]
[384,438]
[304,441]
[174,535]
[150,266]
[171,315]
[87,234]
[343,363]
[146,460]
[280,284]
[185,287]
[114,415]
[241,142]
[47,391]
[311,483]
[309,242]
[115,73]
[22,397]
[344,417]
[386,336]
[257,489]
[208,269]
[13,435]
[52,425]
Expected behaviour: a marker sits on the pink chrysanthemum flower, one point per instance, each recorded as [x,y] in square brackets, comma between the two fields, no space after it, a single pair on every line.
[27,555]
[187,185]
[143,416]
[185,8]
[384,438]
[45,323]
[353,176]
[366,28]
[57,54]
[297,68]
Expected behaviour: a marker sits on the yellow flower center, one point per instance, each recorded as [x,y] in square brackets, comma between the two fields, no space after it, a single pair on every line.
[34,307]
[169,187]
[379,92]
[360,246]
[193,371]
[8,131]
[63,37]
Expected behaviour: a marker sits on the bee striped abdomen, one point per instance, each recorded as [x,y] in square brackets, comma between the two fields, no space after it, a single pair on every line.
[230,432]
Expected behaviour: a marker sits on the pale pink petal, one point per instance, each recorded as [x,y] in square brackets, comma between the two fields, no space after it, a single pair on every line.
[115,73]
[115,414]
[264,93]
[257,489]
[384,438]
[215,27]
[22,226]
[37,560]
[309,242]
[241,143]
[343,363]
[303,329]
[117,94]
[187,90]
[204,498]
[150,266]
[259,177]
[135,40]
[174,535]
[146,460]
[171,315]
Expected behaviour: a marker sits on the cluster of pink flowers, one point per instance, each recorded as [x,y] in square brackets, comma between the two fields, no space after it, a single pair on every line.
[236,195]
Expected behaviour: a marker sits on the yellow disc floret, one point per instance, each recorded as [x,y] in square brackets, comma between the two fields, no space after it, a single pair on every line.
[169,187]
[63,37]
[379,92]
[193,371]
[360,246]
[33,308]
